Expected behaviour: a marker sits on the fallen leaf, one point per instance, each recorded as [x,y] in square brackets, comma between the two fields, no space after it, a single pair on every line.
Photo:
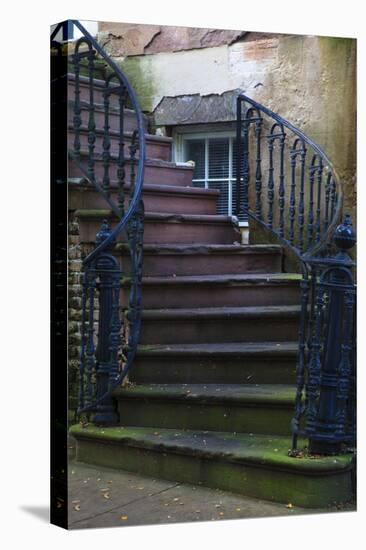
[124,518]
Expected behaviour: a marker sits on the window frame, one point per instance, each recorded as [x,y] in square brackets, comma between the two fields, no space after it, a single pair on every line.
[180,136]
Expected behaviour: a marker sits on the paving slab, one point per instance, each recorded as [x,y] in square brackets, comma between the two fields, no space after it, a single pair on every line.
[104,497]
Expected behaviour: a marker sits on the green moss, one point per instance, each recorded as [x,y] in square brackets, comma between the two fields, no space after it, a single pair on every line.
[241,464]
[139,72]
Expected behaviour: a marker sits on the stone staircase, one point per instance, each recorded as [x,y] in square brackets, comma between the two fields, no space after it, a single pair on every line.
[211,393]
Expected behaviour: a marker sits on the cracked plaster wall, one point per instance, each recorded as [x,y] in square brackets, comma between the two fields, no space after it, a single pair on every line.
[193,75]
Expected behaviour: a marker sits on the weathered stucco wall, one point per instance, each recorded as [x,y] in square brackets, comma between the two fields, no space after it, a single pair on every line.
[309,80]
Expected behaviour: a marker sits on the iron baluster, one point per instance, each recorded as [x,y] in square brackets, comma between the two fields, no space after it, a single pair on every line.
[281,189]
[318,206]
[121,173]
[333,198]
[301,198]
[292,211]
[106,155]
[312,170]
[91,118]
[270,185]
[258,172]
[327,198]
[133,149]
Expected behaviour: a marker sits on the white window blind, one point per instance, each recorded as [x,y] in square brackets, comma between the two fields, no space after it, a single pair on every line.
[215,167]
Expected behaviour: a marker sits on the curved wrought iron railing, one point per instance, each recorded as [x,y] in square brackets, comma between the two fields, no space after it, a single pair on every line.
[288,187]
[109,329]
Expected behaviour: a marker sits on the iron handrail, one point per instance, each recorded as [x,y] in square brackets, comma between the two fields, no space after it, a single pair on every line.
[328,234]
[141,137]
[302,209]
[106,240]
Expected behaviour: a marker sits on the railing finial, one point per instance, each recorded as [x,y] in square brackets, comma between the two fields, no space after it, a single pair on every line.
[344,235]
[103,233]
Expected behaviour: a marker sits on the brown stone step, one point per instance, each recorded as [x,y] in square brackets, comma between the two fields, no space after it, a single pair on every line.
[157,198]
[157,147]
[225,324]
[250,408]
[253,464]
[167,228]
[219,290]
[228,363]
[156,171]
[130,123]
[201,259]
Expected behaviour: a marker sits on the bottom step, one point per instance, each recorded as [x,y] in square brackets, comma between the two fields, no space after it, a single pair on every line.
[253,465]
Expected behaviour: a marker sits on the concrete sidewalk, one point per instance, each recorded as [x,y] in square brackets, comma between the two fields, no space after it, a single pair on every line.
[103,497]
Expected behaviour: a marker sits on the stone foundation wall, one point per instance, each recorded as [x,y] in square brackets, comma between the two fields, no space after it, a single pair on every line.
[75,255]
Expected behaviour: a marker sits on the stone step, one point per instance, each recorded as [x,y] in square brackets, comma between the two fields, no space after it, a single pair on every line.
[187,291]
[230,363]
[267,408]
[166,228]
[157,198]
[157,171]
[250,464]
[222,324]
[130,122]
[98,97]
[203,259]
[157,147]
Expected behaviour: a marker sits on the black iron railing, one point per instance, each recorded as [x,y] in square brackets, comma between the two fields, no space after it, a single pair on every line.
[287,186]
[109,329]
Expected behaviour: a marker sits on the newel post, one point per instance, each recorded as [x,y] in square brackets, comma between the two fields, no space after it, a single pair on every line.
[330,392]
[109,328]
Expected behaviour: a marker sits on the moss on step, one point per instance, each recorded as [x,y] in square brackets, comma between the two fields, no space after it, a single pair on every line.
[248,464]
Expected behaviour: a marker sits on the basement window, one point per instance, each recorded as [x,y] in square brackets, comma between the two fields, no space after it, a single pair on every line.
[214,155]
